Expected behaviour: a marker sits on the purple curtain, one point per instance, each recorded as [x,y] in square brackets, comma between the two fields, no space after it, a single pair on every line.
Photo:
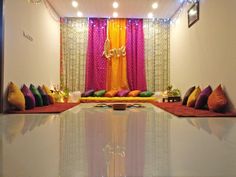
[96,64]
[135,54]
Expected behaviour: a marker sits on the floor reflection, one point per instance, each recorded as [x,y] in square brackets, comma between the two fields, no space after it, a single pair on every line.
[215,126]
[99,142]
[20,124]
[110,143]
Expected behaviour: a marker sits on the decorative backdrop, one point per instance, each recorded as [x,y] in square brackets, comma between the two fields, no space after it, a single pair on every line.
[135,55]
[96,65]
[157,40]
[117,65]
[74,40]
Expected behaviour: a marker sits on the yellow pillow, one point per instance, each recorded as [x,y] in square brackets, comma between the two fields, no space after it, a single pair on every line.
[15,97]
[193,97]
[134,93]
[49,93]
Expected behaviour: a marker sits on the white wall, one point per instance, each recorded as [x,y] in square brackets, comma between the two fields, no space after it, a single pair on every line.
[36,62]
[205,53]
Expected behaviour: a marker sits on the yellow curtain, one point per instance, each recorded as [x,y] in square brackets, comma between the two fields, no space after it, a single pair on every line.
[116,72]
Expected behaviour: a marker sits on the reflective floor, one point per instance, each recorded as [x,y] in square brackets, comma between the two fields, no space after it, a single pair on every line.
[99,142]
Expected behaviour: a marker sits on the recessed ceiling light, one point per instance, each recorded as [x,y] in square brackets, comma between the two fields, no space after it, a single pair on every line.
[115,5]
[79,14]
[75,4]
[115,14]
[155,5]
[150,15]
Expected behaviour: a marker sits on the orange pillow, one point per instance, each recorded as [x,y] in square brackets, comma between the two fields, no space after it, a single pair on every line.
[193,97]
[134,93]
[217,101]
[111,93]
[15,97]
[49,93]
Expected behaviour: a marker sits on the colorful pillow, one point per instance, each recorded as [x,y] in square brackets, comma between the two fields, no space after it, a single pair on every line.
[122,93]
[201,102]
[187,94]
[37,96]
[99,93]
[45,97]
[15,97]
[134,93]
[193,97]
[88,93]
[217,101]
[29,97]
[49,93]
[146,94]
[111,93]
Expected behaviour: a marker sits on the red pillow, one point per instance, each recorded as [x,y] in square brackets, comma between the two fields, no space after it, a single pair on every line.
[217,101]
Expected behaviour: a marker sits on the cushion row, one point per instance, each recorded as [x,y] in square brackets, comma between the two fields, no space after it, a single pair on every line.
[214,100]
[121,93]
[28,98]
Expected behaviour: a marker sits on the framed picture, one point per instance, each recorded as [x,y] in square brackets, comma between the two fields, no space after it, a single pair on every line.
[193,14]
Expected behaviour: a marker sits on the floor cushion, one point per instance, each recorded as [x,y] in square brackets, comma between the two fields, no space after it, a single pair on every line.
[99,93]
[193,97]
[134,93]
[49,93]
[37,96]
[201,102]
[15,97]
[122,93]
[29,97]
[45,97]
[217,101]
[187,94]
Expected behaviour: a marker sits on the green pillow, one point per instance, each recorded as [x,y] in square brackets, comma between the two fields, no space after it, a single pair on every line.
[146,94]
[99,93]
[37,96]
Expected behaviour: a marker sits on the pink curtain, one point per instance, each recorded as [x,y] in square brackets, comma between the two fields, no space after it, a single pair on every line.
[135,54]
[96,64]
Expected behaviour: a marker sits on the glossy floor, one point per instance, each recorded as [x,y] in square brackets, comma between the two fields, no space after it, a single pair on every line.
[99,142]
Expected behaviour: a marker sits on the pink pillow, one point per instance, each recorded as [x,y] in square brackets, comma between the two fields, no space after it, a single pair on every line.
[122,93]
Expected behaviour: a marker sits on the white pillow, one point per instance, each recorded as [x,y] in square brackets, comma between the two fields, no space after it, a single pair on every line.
[74,97]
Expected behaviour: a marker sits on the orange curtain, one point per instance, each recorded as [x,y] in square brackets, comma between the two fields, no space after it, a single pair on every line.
[116,70]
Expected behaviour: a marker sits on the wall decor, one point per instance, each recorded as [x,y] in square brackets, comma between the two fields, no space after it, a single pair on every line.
[27,36]
[193,14]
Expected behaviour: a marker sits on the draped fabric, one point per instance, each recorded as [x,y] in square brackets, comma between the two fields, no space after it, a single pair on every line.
[116,71]
[157,40]
[96,64]
[135,54]
[74,38]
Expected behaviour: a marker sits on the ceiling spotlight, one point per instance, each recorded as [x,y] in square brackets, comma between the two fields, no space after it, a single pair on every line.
[115,14]
[79,14]
[75,4]
[155,5]
[150,15]
[115,5]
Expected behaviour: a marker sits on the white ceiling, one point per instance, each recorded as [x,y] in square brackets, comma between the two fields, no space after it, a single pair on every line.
[126,9]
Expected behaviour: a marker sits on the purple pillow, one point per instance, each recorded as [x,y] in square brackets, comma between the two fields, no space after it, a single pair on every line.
[88,93]
[122,93]
[29,97]
[203,97]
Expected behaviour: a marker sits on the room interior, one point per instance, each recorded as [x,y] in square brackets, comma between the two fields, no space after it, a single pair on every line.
[102,48]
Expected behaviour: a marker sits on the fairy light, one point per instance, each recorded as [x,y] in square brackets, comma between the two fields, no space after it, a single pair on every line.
[175,17]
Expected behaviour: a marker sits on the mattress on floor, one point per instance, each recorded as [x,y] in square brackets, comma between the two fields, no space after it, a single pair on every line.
[117,99]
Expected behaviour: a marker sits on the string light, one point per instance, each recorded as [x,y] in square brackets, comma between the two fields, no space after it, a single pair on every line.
[175,17]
